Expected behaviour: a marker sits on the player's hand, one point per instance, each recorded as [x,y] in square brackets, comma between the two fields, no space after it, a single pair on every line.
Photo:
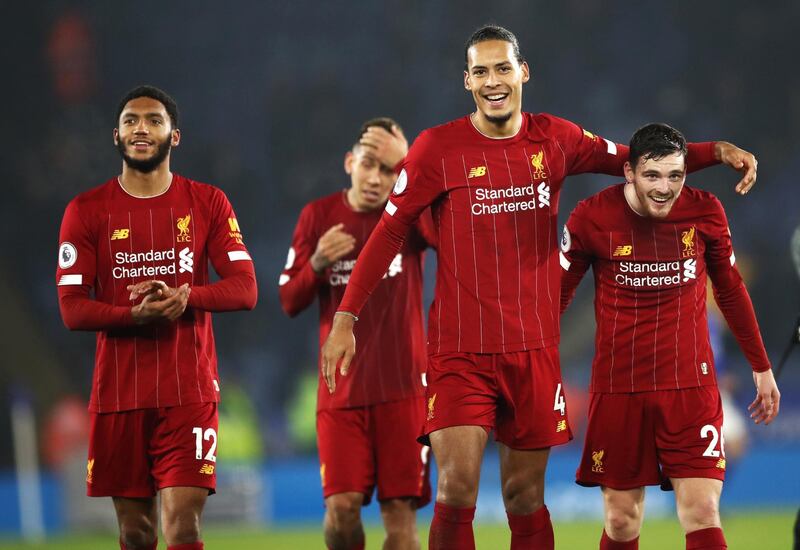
[340,345]
[388,147]
[765,407]
[333,245]
[741,161]
[147,287]
[162,306]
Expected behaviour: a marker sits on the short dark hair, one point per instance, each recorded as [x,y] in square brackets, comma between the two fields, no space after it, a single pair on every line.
[383,122]
[492,32]
[655,141]
[153,93]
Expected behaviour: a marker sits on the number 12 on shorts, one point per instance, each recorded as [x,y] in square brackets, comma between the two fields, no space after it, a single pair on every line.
[559,404]
[199,436]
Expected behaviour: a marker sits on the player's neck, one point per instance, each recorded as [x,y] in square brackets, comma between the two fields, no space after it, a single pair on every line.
[144,185]
[497,130]
[633,200]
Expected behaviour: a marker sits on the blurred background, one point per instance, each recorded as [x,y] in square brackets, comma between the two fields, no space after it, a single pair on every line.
[271,96]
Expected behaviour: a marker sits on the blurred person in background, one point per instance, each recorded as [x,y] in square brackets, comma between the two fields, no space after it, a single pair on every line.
[492,179]
[133,266]
[366,432]
[656,415]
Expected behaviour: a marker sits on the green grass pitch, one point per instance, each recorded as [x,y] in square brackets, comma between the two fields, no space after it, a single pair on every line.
[744,531]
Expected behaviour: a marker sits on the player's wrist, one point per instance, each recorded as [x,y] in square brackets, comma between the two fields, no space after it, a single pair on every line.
[344,317]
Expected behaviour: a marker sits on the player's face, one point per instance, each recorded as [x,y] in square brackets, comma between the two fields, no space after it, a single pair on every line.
[145,135]
[657,184]
[371,181]
[495,78]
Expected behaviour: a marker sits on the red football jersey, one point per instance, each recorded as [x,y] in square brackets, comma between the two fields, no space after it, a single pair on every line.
[494,203]
[391,344]
[650,290]
[110,239]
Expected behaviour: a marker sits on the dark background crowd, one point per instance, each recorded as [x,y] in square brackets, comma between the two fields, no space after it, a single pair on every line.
[272,95]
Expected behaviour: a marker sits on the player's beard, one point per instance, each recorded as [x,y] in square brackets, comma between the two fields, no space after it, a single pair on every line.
[145,165]
[498,120]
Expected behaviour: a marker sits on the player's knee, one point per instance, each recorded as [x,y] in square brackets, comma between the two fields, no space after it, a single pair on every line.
[344,512]
[457,489]
[137,534]
[522,494]
[399,519]
[623,522]
[701,514]
[182,528]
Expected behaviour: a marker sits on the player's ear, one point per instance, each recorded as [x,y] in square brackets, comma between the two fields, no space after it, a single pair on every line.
[116,136]
[526,71]
[349,159]
[628,169]
[466,81]
[175,137]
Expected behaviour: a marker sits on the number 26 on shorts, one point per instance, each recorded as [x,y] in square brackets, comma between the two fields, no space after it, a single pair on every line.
[711,450]
[209,435]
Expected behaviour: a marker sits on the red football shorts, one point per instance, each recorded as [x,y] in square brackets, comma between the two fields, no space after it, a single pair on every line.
[376,445]
[519,395]
[645,438]
[136,453]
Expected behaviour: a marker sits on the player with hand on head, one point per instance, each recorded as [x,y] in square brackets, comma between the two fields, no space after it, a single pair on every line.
[492,180]
[367,430]
[133,266]
[655,416]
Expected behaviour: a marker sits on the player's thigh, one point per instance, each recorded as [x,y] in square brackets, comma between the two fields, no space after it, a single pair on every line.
[402,462]
[182,504]
[183,448]
[346,452]
[118,463]
[532,409]
[522,477]
[689,433]
[461,391]
[619,449]
[459,452]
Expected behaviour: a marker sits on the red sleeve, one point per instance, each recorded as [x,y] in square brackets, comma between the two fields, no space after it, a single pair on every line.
[730,292]
[298,283]
[574,257]
[236,289]
[586,152]
[419,184]
[75,277]
[425,233]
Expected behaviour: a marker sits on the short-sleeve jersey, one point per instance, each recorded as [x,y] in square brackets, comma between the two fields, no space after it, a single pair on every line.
[110,239]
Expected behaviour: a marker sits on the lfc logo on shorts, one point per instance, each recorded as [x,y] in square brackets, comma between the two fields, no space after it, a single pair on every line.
[431,402]
[89,466]
[597,457]
[183,228]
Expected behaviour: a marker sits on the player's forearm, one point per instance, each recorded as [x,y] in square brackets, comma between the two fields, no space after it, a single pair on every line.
[235,292]
[80,312]
[701,155]
[736,306]
[299,291]
[373,261]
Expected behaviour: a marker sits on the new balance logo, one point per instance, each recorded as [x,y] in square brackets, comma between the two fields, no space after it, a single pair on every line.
[477,172]
[120,234]
[186,260]
[207,469]
[623,250]
[561,426]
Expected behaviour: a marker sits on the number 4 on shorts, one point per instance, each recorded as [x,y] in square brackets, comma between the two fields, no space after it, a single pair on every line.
[559,404]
